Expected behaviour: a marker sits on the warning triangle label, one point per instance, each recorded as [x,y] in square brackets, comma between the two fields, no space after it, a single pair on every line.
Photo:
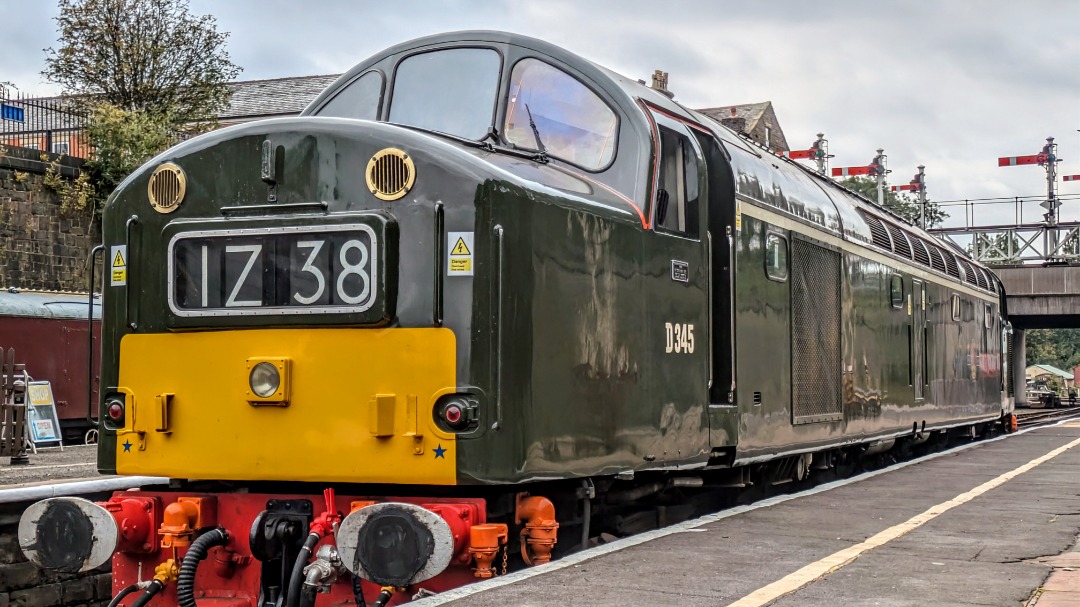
[118,261]
[460,248]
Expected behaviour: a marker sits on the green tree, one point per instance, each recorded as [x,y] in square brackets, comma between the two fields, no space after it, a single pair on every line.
[142,55]
[902,204]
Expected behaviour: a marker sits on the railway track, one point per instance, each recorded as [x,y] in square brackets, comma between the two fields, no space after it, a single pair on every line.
[1039,418]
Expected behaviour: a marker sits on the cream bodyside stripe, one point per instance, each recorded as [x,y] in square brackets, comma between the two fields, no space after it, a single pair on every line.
[787,223]
[836,560]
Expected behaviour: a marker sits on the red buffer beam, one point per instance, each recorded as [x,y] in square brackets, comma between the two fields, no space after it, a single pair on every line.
[850,171]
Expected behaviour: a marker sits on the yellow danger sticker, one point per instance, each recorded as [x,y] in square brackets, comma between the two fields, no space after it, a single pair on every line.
[118,255]
[459,256]
[460,248]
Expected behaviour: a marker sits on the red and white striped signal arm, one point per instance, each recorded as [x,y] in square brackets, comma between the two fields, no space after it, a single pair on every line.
[1071,178]
[911,187]
[1015,161]
[850,171]
[799,154]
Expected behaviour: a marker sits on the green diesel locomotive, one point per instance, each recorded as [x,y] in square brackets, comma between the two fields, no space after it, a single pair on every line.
[484,296]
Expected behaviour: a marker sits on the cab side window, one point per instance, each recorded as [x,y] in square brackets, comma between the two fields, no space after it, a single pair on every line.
[358,99]
[677,189]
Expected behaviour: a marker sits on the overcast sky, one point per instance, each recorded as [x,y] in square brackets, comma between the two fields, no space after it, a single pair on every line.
[951,85]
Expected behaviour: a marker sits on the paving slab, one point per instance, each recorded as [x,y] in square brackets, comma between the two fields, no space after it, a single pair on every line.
[991,550]
[51,464]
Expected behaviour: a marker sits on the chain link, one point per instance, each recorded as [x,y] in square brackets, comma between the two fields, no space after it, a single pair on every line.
[506,555]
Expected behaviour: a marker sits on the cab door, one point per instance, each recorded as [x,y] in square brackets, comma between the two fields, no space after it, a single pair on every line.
[676,274]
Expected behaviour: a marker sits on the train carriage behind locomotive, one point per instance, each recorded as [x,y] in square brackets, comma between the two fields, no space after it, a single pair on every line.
[48,330]
[480,261]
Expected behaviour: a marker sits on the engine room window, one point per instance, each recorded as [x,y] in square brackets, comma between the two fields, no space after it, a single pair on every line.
[359,99]
[450,91]
[776,257]
[988,319]
[677,185]
[572,122]
[896,291]
[956,307]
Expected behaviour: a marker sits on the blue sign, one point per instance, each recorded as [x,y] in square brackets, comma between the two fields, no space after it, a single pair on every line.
[10,112]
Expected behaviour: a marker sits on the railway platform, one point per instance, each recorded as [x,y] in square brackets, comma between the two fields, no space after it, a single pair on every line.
[992,523]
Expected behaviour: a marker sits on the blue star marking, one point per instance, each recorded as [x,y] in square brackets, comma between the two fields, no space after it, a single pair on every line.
[440,452]
[127,446]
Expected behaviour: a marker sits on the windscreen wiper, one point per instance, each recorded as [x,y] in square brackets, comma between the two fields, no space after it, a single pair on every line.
[542,156]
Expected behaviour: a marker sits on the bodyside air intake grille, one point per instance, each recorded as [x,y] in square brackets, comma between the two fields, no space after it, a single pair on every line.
[900,242]
[877,231]
[922,256]
[815,334]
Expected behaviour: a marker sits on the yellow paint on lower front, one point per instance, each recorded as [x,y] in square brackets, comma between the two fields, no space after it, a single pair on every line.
[359,406]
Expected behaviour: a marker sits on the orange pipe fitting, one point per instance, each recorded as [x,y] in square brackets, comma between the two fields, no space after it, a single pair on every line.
[484,544]
[541,530]
[178,524]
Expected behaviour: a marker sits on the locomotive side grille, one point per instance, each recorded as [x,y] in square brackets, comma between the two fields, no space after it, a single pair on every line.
[937,260]
[815,334]
[390,174]
[979,276]
[922,256]
[877,231]
[969,273]
[950,263]
[900,242]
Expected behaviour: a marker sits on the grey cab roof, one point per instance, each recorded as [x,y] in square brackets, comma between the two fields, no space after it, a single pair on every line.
[46,304]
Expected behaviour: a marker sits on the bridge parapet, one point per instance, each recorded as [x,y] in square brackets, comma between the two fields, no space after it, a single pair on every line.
[1042,297]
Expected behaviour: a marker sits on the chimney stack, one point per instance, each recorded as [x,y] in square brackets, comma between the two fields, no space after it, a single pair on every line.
[660,82]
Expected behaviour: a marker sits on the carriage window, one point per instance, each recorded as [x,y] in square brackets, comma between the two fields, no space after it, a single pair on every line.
[572,122]
[359,99]
[776,257]
[677,186]
[450,91]
[896,291]
[956,307]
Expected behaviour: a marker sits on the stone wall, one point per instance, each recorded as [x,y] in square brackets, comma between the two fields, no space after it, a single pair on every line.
[23,584]
[41,247]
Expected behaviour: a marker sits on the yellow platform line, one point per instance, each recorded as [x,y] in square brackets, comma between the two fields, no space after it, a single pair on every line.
[836,560]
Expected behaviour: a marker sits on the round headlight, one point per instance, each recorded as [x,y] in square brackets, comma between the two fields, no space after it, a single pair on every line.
[264,380]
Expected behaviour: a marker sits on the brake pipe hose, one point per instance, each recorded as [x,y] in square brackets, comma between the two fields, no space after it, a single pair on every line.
[296,578]
[120,596]
[154,588]
[196,553]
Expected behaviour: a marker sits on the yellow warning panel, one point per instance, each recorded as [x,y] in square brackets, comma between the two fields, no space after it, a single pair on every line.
[459,256]
[118,255]
[460,248]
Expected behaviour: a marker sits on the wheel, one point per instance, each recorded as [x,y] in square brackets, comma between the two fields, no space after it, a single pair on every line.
[91,437]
